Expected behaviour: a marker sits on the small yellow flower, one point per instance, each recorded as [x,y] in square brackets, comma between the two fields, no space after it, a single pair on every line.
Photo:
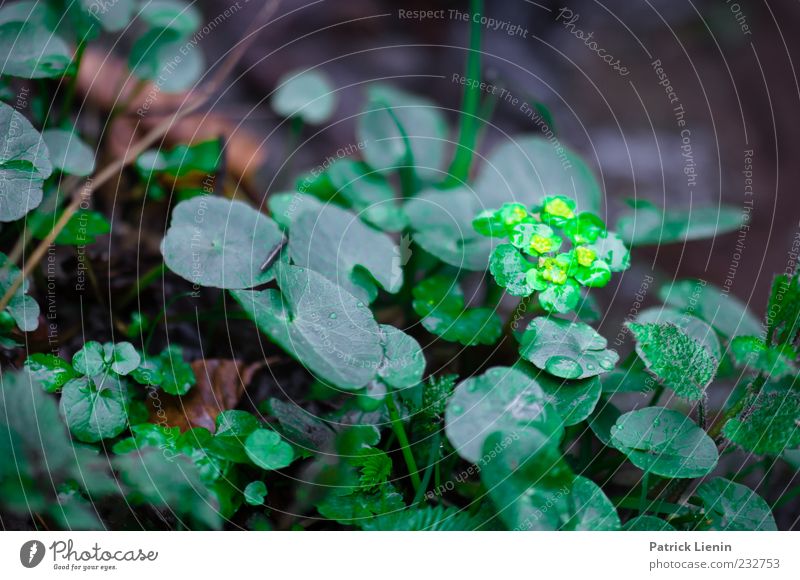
[586,256]
[559,208]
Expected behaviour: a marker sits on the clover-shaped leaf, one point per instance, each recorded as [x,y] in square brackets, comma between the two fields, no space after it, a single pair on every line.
[335,243]
[679,361]
[255,492]
[439,300]
[770,424]
[664,442]
[775,362]
[503,399]
[306,94]
[68,153]
[95,408]
[220,243]
[95,358]
[24,165]
[403,362]
[570,350]
[733,507]
[328,330]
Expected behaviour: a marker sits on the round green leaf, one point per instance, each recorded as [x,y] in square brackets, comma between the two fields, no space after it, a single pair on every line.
[90,360]
[24,165]
[529,168]
[306,94]
[403,362]
[560,298]
[603,420]
[22,309]
[648,524]
[664,442]
[647,224]
[220,243]
[574,400]
[266,449]
[611,249]
[510,270]
[732,507]
[68,153]
[335,243]
[326,329]
[163,55]
[122,357]
[570,350]
[255,492]
[95,408]
[503,399]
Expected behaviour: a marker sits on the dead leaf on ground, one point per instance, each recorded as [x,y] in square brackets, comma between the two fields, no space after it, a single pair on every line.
[220,385]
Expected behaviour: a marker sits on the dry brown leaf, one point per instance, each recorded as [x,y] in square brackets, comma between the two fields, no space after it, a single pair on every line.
[220,385]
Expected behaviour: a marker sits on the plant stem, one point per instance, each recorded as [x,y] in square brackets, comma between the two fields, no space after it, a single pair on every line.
[402,438]
[701,413]
[659,388]
[148,278]
[462,160]
[432,463]
[643,496]
[69,98]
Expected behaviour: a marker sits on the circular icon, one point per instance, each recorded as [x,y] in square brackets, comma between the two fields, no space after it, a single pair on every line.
[31,553]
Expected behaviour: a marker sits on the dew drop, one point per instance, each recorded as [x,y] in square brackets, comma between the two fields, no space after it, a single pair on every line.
[457,409]
[606,364]
[332,316]
[563,366]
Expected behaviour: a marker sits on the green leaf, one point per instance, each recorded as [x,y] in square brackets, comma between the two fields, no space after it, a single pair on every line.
[374,465]
[255,492]
[529,168]
[361,507]
[24,164]
[664,442]
[683,364]
[90,360]
[783,310]
[50,371]
[440,302]
[220,243]
[694,327]
[22,309]
[333,242]
[732,507]
[164,55]
[603,420]
[560,298]
[511,271]
[232,430]
[648,224]
[503,399]
[426,519]
[181,17]
[95,408]
[177,375]
[307,94]
[570,350]
[321,325]
[266,449]
[33,52]
[593,510]
[774,362]
[403,362]
[301,427]
[632,378]
[422,122]
[122,357]
[68,153]
[574,400]
[770,424]
[529,482]
[204,157]
[82,228]
[441,222]
[720,309]
[610,248]
[648,524]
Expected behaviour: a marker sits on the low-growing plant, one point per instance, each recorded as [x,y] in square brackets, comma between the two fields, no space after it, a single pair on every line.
[423,328]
